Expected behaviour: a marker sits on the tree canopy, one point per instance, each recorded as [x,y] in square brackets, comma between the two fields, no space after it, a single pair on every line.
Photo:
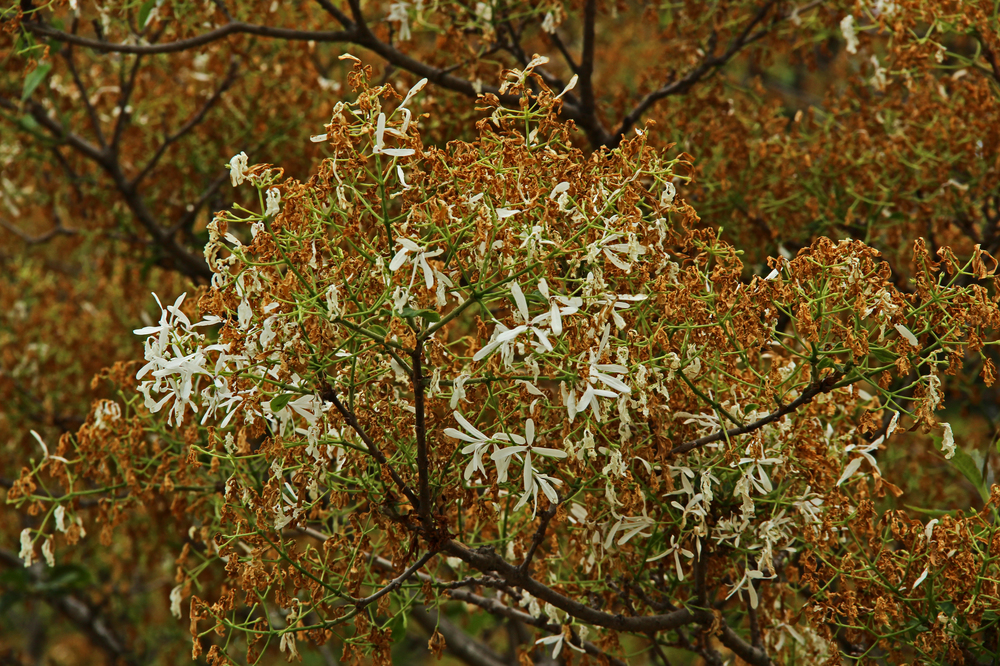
[516,332]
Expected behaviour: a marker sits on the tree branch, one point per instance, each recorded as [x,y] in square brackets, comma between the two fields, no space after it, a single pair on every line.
[67,54]
[709,64]
[84,616]
[423,473]
[57,230]
[234,28]
[457,642]
[127,88]
[193,266]
[536,540]
[814,389]
[395,583]
[189,125]
[352,420]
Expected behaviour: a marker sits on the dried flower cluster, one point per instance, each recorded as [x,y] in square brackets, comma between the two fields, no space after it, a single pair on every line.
[504,373]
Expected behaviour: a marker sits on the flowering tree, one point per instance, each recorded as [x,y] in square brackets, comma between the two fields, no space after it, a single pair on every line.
[480,366]
[501,374]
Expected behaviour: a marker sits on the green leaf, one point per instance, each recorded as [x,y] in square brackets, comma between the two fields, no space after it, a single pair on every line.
[144,11]
[277,404]
[967,466]
[428,315]
[883,355]
[32,80]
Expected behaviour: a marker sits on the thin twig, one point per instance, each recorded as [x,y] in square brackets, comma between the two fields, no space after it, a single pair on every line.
[221,32]
[708,65]
[539,536]
[192,122]
[352,420]
[395,583]
[814,389]
[57,230]
[67,54]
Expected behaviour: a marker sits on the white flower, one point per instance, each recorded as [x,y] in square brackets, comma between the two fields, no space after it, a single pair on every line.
[614,251]
[61,518]
[557,640]
[569,86]
[504,336]
[273,198]
[675,550]
[458,389]
[380,148]
[48,552]
[238,169]
[559,305]
[397,12]
[502,457]
[417,87]
[175,601]
[419,260]
[630,526]
[484,11]
[549,26]
[878,79]
[865,452]
[948,443]
[850,35]
[478,444]
[669,192]
[288,643]
[749,576]
[27,548]
[622,302]
[907,334]
[560,193]
[503,213]
[333,301]
[598,372]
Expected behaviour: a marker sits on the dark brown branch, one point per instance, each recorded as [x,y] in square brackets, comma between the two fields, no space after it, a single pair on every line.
[57,230]
[709,64]
[586,70]
[395,583]
[539,536]
[742,649]
[221,32]
[332,10]
[493,606]
[754,624]
[811,391]
[192,122]
[359,34]
[127,88]
[457,642]
[423,472]
[485,560]
[373,450]
[561,47]
[67,54]
[189,264]
[81,614]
